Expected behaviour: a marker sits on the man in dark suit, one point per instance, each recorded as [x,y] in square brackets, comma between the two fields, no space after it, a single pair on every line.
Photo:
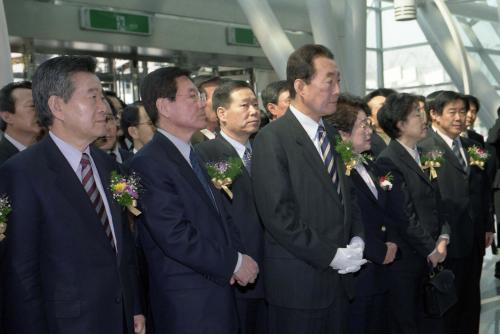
[473,108]
[207,85]
[375,100]
[192,248]
[69,264]
[313,226]
[17,119]
[466,192]
[239,117]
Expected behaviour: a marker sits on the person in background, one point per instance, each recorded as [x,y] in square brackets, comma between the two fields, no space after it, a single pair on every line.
[137,126]
[238,113]
[368,311]
[470,119]
[422,231]
[17,119]
[207,85]
[109,142]
[375,100]
[276,99]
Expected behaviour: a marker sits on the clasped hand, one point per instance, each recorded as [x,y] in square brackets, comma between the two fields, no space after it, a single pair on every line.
[247,273]
[349,259]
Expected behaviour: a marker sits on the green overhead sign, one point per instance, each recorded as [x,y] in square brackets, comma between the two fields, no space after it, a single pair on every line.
[241,36]
[112,21]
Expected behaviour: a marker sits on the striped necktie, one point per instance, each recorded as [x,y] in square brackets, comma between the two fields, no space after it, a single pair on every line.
[455,147]
[328,159]
[90,186]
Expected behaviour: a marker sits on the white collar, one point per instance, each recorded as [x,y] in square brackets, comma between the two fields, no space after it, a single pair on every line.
[14,142]
[309,125]
[72,154]
[239,147]
[181,145]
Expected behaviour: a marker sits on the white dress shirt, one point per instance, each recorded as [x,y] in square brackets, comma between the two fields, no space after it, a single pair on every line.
[74,156]
[310,126]
[239,147]
[14,142]
[361,169]
[449,142]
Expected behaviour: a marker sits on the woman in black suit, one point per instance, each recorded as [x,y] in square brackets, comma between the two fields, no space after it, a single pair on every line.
[368,310]
[422,233]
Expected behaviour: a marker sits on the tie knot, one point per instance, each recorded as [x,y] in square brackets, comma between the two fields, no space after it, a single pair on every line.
[85,161]
[455,142]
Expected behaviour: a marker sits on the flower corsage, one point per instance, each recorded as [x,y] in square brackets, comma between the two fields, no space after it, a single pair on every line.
[126,191]
[386,181]
[432,160]
[5,209]
[350,157]
[477,156]
[223,173]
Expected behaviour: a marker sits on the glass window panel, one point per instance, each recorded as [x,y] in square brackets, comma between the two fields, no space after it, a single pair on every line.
[397,33]
[413,66]
[486,35]
[371,70]
[371,29]
[483,68]
[426,90]
[464,37]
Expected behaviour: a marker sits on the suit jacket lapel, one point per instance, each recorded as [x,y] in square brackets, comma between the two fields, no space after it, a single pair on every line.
[116,210]
[311,155]
[450,157]
[409,161]
[185,169]
[70,186]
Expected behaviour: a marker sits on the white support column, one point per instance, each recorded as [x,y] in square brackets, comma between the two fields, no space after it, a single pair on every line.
[354,46]
[435,30]
[324,16]
[269,33]
[6,75]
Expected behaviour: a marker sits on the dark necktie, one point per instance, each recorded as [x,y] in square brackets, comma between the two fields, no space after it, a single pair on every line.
[197,169]
[455,147]
[90,187]
[247,159]
[328,159]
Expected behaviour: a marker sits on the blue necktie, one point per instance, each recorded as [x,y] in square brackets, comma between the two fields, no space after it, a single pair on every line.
[247,160]
[197,169]
[455,147]
[328,159]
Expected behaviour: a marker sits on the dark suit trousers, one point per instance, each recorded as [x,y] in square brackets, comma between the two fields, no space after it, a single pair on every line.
[405,301]
[463,317]
[253,315]
[368,314]
[330,320]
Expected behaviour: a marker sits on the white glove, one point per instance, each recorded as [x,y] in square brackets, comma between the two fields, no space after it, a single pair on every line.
[348,258]
[357,242]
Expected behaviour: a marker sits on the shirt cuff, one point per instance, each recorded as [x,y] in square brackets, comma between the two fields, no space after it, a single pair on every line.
[238,263]
[445,237]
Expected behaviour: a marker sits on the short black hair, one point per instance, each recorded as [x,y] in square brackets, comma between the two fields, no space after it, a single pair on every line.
[110,93]
[54,77]
[7,102]
[385,92]
[130,117]
[202,80]
[473,100]
[160,83]
[300,64]
[348,107]
[445,97]
[271,93]
[396,108]
[222,95]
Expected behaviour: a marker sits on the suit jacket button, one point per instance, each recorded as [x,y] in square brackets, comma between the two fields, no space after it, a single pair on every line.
[382,228]
[118,300]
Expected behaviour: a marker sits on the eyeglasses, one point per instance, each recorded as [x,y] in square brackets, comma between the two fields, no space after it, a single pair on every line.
[149,123]
[195,96]
[366,124]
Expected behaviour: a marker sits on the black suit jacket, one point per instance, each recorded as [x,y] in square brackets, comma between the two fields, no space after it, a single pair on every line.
[476,137]
[242,209]
[372,278]
[60,273]
[466,195]
[377,143]
[422,218]
[7,150]
[305,220]
[189,244]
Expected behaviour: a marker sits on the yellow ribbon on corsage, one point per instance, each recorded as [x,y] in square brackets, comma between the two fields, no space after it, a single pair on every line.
[3,228]
[431,165]
[133,208]
[477,163]
[350,165]
[223,184]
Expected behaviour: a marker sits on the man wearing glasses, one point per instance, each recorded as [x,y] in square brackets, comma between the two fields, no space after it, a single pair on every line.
[192,248]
